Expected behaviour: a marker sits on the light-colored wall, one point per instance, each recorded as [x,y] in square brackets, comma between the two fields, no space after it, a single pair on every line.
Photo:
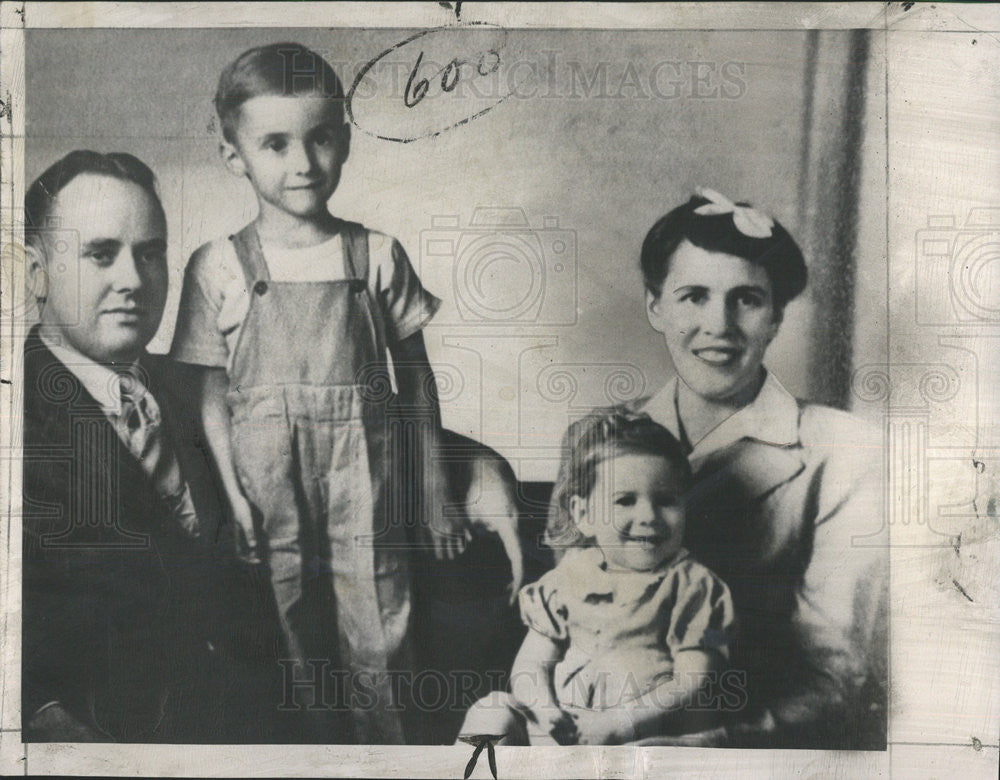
[604,168]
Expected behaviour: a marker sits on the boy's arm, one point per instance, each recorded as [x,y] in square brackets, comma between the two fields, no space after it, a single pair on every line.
[421,418]
[213,383]
[649,715]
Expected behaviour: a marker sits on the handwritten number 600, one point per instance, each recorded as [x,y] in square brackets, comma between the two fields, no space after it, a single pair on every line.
[416,89]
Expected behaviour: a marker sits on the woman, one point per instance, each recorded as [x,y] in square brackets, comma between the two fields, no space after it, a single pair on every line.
[787,504]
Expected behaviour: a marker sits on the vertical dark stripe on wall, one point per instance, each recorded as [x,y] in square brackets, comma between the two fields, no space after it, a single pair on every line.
[833,269]
[808,108]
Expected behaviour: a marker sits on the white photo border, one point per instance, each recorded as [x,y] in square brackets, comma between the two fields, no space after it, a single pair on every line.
[921,743]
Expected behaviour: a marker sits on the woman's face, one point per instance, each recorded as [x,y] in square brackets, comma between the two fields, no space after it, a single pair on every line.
[717,314]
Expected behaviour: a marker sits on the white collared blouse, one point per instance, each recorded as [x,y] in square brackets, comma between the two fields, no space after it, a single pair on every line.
[787,509]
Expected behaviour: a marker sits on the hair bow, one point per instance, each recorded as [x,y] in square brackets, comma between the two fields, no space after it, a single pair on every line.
[748,220]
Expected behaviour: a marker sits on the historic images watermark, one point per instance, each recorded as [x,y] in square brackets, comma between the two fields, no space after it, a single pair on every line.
[318,685]
[438,79]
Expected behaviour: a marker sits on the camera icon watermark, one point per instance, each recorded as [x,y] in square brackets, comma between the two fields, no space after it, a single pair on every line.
[47,257]
[500,269]
[958,270]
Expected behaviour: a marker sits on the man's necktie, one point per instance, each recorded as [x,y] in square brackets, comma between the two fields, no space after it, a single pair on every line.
[139,428]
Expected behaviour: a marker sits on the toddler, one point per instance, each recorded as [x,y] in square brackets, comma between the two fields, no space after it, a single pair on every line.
[627,628]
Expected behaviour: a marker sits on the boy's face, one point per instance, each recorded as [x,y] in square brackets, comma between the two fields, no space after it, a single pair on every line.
[634,511]
[292,149]
[104,295]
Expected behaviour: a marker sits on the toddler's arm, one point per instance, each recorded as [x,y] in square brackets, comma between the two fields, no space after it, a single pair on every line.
[654,712]
[212,387]
[419,402]
[531,687]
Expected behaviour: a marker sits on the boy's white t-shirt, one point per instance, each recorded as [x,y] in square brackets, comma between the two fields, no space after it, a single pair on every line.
[215,298]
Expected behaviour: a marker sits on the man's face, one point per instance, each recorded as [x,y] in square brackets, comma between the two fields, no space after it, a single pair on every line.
[107,285]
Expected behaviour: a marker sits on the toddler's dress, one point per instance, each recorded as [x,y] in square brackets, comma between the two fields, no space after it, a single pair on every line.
[622,629]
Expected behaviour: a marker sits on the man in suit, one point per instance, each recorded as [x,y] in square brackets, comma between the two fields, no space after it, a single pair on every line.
[120,525]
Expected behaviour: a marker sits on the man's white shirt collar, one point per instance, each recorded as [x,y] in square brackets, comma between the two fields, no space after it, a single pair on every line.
[772,418]
[101,382]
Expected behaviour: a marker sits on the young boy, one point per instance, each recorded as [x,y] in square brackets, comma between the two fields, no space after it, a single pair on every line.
[291,319]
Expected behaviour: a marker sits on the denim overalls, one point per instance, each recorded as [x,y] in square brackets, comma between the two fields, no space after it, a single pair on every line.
[308,390]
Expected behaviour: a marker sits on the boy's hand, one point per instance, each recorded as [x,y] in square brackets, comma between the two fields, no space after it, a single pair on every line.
[446,530]
[246,537]
[448,536]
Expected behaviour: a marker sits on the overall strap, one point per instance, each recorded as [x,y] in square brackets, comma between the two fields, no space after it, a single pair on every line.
[247,245]
[355,238]
[356,263]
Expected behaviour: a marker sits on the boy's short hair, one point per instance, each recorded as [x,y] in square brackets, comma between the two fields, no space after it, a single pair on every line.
[45,189]
[602,435]
[277,69]
[778,253]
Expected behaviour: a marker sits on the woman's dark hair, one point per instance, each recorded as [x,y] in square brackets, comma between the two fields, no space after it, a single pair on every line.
[601,435]
[777,253]
[45,189]
[288,69]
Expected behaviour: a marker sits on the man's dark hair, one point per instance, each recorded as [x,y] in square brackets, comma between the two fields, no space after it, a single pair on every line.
[45,189]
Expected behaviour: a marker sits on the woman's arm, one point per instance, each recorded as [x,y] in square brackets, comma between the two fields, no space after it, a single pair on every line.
[654,712]
[840,620]
[835,695]
[213,383]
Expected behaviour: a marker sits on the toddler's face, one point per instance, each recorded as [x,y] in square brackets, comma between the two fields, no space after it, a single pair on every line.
[634,511]
[292,149]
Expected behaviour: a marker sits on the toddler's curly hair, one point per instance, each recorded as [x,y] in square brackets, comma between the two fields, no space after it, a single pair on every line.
[602,435]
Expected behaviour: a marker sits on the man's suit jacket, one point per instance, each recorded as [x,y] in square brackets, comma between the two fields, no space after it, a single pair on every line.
[117,598]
